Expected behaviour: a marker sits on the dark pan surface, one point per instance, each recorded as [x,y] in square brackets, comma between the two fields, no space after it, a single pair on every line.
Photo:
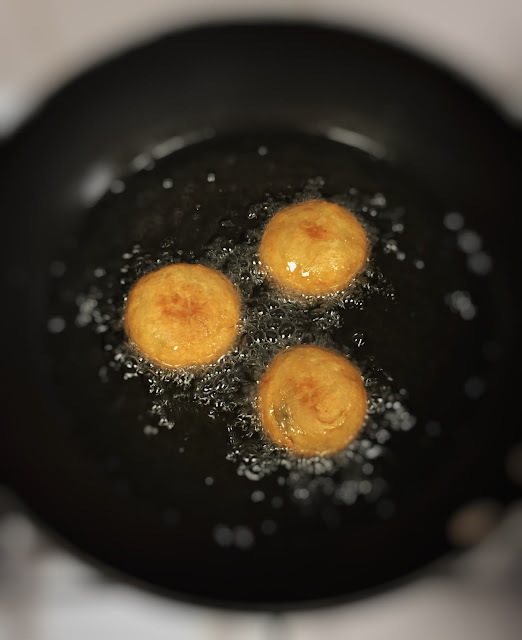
[433,324]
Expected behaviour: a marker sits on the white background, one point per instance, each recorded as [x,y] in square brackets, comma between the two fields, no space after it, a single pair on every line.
[45,594]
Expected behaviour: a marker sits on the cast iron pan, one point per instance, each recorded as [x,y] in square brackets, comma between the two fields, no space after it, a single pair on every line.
[181,150]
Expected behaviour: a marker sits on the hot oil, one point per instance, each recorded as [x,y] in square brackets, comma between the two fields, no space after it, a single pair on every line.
[271,322]
[350,322]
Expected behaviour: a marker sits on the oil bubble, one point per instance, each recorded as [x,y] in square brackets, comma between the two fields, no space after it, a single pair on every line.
[223,535]
[268,527]
[150,430]
[117,186]
[57,268]
[460,302]
[56,325]
[453,221]
[469,241]
[474,387]
[433,428]
[480,263]
[243,538]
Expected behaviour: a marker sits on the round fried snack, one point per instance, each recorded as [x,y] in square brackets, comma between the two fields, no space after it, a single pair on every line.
[313,248]
[311,400]
[183,315]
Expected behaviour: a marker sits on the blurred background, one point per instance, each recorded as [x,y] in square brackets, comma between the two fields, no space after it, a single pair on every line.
[42,42]
[45,592]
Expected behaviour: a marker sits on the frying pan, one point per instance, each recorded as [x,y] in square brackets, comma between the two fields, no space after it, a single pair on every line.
[175,147]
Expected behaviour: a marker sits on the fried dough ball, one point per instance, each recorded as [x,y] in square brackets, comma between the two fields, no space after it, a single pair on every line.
[313,248]
[183,315]
[311,400]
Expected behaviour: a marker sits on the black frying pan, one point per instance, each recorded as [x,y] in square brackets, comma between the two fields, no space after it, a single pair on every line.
[255,117]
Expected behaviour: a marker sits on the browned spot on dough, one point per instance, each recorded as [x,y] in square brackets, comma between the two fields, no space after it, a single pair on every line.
[308,392]
[315,231]
[181,308]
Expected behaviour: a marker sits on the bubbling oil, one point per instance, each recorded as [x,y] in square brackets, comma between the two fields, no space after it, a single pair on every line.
[270,322]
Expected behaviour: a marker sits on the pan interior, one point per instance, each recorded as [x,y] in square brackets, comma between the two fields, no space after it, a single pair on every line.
[187,454]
